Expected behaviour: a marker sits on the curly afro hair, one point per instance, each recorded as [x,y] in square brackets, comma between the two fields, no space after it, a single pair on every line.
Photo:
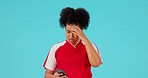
[77,16]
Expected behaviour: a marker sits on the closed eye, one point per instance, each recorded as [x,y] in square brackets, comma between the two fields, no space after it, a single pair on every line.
[68,31]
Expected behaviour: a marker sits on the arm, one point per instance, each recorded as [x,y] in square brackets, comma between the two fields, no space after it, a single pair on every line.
[94,58]
[50,64]
[49,74]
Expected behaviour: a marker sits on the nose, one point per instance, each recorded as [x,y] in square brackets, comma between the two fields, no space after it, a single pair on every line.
[71,35]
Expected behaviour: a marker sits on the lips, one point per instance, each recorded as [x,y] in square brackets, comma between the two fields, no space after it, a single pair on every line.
[70,40]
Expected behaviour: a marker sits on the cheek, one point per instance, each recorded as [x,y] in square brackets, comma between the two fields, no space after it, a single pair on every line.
[75,36]
[67,35]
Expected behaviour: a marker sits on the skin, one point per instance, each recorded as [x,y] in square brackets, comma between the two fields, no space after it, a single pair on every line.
[73,35]
[70,36]
[50,74]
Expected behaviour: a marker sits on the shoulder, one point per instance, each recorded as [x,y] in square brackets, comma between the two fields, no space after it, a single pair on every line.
[55,46]
[94,45]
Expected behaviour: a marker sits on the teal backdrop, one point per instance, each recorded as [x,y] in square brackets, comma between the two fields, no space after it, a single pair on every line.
[28,29]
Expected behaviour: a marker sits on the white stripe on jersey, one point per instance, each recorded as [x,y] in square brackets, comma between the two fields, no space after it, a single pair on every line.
[51,61]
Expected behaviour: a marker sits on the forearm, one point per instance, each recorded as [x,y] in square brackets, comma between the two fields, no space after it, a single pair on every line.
[93,56]
[49,74]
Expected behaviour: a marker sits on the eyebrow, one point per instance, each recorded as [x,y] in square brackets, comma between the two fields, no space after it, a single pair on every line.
[68,29]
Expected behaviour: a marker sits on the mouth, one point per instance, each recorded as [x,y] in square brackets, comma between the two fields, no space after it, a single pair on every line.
[70,40]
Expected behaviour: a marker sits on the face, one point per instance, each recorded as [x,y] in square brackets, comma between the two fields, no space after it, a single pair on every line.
[71,37]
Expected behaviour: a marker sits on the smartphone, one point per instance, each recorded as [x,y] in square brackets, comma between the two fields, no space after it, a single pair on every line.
[62,72]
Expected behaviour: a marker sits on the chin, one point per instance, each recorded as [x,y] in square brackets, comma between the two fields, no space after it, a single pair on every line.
[71,42]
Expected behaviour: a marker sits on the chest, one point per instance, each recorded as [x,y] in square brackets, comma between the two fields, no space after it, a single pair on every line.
[71,55]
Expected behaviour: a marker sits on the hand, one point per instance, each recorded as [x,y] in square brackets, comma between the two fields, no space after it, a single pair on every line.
[58,75]
[76,30]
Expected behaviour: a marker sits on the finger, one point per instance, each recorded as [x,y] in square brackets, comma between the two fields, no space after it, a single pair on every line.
[64,77]
[77,27]
[57,74]
[73,29]
[61,74]
[74,32]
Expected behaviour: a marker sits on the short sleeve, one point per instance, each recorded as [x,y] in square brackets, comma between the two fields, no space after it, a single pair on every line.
[50,62]
[97,50]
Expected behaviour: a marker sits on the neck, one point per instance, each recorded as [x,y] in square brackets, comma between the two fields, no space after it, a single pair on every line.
[75,43]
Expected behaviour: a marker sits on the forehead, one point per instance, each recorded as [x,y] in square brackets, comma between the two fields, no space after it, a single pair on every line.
[68,26]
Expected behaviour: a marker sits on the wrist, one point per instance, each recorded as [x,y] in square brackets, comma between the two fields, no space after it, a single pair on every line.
[85,40]
[54,76]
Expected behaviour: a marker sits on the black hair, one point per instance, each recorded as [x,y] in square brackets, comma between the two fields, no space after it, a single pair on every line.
[77,16]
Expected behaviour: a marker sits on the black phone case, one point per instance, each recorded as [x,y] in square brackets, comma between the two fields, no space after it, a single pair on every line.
[61,72]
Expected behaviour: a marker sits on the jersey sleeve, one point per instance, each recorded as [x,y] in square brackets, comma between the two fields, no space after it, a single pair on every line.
[50,62]
[97,50]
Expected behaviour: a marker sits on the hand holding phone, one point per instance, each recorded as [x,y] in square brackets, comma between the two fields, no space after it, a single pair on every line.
[61,72]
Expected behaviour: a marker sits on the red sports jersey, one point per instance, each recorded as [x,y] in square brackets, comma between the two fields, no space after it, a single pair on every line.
[72,59]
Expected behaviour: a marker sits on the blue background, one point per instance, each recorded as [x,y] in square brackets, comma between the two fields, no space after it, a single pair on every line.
[28,29]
